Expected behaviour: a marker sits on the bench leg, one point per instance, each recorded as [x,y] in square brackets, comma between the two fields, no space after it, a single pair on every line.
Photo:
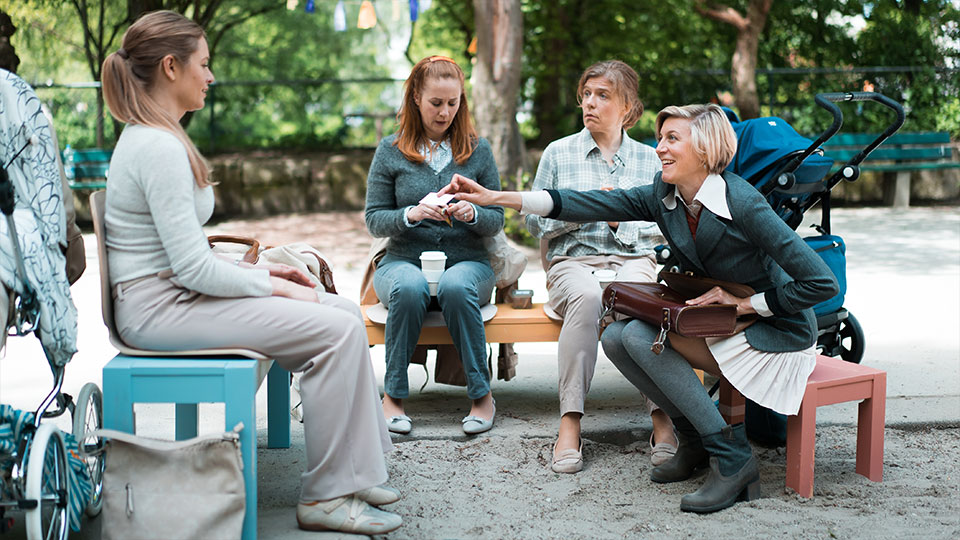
[187,417]
[801,443]
[117,401]
[733,405]
[278,407]
[241,406]
[870,431]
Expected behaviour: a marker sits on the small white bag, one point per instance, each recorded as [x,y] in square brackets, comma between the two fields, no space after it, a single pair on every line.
[155,489]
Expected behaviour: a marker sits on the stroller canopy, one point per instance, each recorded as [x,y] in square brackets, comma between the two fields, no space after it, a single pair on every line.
[764,145]
[39,216]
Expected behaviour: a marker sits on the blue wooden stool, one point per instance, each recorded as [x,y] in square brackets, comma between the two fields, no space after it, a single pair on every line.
[187,381]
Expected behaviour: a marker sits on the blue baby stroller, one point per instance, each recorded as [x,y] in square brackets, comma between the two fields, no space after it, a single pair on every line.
[44,472]
[793,174]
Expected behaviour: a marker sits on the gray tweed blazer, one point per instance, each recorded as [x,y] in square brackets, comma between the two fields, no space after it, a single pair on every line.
[755,248]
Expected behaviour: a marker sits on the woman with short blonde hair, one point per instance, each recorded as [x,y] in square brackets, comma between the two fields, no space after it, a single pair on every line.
[711,134]
[718,226]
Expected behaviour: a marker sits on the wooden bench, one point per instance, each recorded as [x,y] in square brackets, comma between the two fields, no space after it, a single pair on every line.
[832,381]
[509,325]
[87,169]
[901,154]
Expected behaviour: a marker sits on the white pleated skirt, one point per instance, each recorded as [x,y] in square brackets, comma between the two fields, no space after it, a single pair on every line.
[776,380]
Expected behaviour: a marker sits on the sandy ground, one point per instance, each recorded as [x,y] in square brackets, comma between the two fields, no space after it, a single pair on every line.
[498,485]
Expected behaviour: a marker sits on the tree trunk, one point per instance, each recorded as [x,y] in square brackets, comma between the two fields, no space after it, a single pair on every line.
[496,83]
[8,55]
[743,72]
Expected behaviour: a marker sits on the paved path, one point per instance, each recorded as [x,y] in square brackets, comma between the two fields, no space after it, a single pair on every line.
[904,287]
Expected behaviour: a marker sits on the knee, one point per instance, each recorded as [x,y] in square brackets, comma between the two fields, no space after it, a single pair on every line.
[612,342]
[409,293]
[456,293]
[589,299]
[637,338]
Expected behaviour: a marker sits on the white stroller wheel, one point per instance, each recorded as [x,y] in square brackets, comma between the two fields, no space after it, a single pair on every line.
[48,520]
[88,417]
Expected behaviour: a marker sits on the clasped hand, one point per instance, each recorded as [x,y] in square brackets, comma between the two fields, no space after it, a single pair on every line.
[460,210]
[718,295]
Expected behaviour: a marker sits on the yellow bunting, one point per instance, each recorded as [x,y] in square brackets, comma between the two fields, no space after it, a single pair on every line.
[292,4]
[368,15]
[472,48]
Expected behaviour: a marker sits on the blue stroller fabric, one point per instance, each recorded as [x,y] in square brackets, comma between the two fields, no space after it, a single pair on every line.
[833,251]
[79,485]
[39,216]
[763,146]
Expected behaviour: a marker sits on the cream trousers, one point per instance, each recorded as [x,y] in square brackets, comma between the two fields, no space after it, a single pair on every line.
[346,435]
[575,295]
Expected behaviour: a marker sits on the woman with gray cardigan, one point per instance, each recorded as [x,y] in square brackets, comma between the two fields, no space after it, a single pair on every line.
[171,292]
[720,227]
[435,141]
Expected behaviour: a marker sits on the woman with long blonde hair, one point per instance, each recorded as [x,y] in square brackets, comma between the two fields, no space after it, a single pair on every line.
[171,292]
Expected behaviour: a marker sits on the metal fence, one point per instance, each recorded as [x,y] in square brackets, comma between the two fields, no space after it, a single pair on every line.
[302,114]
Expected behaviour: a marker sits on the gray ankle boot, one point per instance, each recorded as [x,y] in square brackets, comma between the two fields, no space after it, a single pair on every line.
[733,473]
[690,456]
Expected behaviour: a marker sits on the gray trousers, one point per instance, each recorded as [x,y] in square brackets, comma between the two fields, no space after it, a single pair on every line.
[346,435]
[575,295]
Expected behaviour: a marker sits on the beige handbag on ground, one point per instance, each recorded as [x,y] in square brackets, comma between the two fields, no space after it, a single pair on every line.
[155,489]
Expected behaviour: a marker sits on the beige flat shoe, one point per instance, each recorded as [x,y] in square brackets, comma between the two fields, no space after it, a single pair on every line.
[662,452]
[568,461]
[346,514]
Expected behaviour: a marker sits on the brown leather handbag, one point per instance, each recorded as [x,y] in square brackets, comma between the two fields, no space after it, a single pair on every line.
[663,306]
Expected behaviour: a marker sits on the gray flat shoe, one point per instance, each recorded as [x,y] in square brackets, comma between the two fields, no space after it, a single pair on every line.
[399,424]
[474,424]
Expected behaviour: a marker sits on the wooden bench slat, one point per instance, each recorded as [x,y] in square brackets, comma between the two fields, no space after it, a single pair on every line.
[509,325]
[899,154]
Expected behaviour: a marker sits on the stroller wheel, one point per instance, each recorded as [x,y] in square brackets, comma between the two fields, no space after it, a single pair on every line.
[88,417]
[46,481]
[851,338]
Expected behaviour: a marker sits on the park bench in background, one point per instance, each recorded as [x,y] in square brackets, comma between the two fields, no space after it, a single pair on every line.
[902,154]
[87,169]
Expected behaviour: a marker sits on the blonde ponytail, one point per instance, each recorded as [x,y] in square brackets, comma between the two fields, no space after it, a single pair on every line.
[129,73]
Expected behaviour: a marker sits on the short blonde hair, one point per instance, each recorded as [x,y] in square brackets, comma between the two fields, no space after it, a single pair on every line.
[711,134]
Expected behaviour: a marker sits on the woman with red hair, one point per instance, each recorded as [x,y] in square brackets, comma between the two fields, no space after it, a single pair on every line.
[435,141]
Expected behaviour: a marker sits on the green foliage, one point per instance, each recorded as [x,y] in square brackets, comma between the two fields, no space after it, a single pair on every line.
[682,57]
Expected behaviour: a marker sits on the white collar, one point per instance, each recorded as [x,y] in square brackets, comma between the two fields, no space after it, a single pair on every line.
[712,195]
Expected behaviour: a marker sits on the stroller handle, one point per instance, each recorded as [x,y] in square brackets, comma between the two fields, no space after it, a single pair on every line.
[850,170]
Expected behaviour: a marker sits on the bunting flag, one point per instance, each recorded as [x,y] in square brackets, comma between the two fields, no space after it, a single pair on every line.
[396,10]
[368,15]
[414,10]
[340,18]
[425,5]
[309,8]
[292,4]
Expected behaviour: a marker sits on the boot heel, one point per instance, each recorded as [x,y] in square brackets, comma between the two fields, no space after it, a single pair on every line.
[751,492]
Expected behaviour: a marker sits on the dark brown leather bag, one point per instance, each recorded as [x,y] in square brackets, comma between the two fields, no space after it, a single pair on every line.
[660,305]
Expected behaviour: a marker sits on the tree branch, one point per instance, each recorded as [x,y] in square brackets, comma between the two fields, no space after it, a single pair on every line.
[724,14]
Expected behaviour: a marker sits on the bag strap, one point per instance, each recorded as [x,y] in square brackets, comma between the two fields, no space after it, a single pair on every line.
[252,254]
[156,444]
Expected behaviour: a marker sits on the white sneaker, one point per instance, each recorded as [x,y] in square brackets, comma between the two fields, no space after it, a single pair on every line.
[346,514]
[379,495]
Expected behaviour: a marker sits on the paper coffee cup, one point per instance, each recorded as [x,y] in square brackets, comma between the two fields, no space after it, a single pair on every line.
[433,287]
[605,277]
[433,276]
[433,260]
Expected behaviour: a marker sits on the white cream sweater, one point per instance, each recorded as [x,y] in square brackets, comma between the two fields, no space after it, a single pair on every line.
[154,218]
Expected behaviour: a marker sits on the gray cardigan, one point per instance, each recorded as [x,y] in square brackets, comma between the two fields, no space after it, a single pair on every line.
[755,248]
[394,183]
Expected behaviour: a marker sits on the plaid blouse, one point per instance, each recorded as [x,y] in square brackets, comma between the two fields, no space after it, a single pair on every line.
[575,162]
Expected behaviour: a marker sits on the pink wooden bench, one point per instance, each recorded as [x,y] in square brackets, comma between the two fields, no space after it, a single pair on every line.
[832,381]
